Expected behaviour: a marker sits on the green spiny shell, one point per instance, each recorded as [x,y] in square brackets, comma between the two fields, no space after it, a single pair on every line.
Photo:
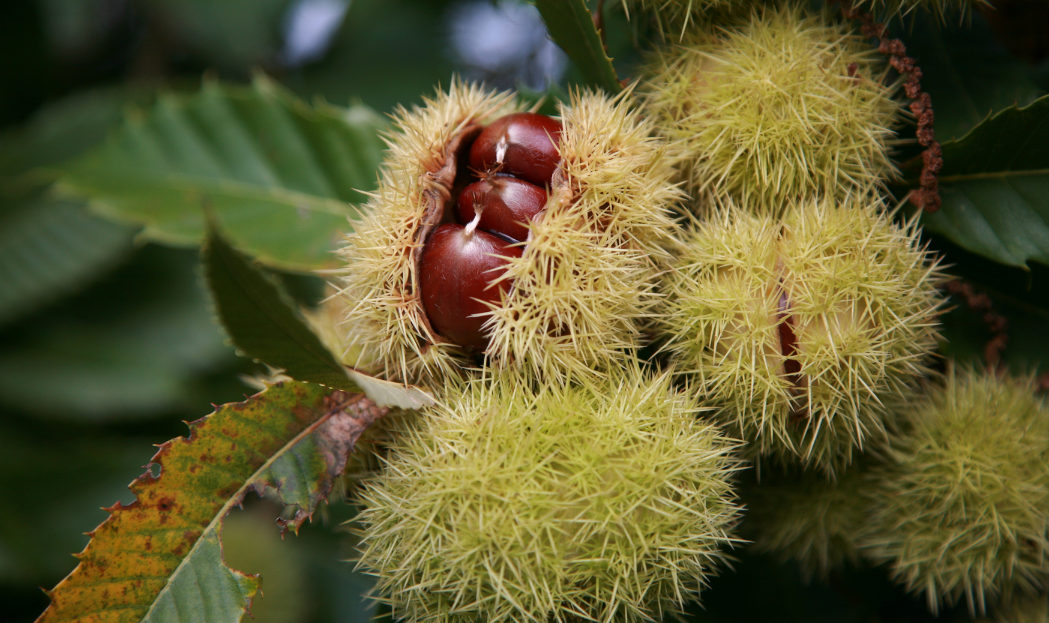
[808,519]
[1022,610]
[963,508]
[676,18]
[787,107]
[852,290]
[511,503]
[884,9]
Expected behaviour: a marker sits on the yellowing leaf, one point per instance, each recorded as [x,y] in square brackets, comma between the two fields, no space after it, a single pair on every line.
[159,558]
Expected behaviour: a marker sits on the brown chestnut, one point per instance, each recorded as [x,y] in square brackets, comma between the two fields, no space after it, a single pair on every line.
[522,144]
[506,205]
[457,269]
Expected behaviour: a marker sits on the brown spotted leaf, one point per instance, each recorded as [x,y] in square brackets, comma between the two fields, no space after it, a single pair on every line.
[159,559]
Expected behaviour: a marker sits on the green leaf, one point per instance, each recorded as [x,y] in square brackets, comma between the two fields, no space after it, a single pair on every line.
[572,27]
[995,187]
[282,176]
[159,558]
[967,71]
[50,248]
[261,320]
[265,326]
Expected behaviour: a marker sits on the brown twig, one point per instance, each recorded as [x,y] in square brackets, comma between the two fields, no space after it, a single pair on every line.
[927,196]
[997,323]
[1042,382]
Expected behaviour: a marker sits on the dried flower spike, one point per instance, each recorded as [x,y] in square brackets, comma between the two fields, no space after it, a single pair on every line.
[789,107]
[801,331]
[963,508]
[585,502]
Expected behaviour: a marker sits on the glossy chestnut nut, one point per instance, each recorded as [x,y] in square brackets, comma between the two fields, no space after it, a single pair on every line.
[456,274]
[507,204]
[522,144]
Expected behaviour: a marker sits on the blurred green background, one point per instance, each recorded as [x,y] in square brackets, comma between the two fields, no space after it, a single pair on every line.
[107,343]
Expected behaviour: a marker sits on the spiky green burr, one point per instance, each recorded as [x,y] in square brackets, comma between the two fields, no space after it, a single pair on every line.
[805,518]
[963,508]
[787,107]
[516,503]
[336,328]
[801,332]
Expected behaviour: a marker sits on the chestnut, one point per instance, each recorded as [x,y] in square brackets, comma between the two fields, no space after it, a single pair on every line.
[522,144]
[507,204]
[457,269]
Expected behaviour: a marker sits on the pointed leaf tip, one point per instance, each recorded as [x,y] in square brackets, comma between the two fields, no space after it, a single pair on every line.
[264,325]
[261,321]
[571,26]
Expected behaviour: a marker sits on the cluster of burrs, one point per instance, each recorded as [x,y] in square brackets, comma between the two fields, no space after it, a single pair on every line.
[621,307]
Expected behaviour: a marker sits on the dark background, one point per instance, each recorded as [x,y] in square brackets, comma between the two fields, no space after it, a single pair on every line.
[112,345]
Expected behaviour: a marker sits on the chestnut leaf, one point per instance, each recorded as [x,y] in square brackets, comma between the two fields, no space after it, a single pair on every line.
[50,246]
[572,27]
[283,176]
[263,324]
